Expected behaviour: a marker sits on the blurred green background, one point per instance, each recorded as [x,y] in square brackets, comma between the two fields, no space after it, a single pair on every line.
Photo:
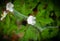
[10,23]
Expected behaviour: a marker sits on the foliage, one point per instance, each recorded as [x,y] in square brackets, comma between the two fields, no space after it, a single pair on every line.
[25,7]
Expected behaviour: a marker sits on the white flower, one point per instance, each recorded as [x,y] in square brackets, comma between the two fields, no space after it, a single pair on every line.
[3,15]
[9,7]
[31,20]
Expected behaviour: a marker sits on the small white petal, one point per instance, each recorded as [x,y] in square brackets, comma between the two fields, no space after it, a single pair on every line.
[9,7]
[31,20]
